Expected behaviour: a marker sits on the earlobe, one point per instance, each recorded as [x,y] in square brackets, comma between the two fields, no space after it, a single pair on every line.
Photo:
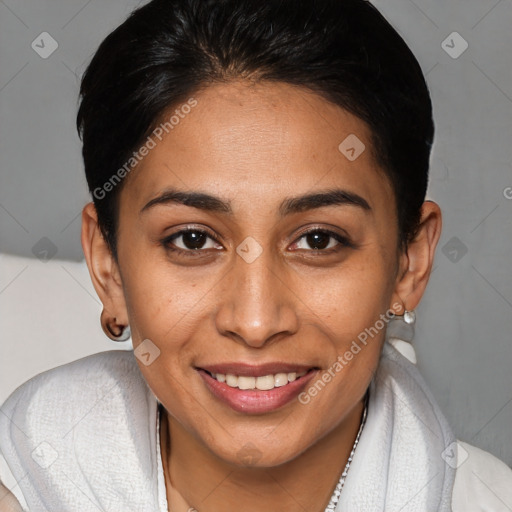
[103,268]
[417,260]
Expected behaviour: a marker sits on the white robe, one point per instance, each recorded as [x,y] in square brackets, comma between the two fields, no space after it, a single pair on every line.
[84,437]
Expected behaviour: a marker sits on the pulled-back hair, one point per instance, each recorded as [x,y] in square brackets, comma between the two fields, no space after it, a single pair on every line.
[343,50]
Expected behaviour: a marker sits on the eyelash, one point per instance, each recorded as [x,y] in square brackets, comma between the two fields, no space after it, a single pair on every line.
[343,242]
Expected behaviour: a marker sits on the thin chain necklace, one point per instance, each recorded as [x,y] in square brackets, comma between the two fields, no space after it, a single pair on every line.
[339,486]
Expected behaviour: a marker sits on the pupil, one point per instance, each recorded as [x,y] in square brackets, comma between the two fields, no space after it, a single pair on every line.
[194,239]
[318,240]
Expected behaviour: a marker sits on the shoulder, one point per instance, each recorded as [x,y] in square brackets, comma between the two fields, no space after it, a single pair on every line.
[53,402]
[482,481]
[67,388]
[73,379]
[50,423]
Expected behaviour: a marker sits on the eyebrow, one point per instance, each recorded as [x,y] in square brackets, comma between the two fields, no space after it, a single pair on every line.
[207,202]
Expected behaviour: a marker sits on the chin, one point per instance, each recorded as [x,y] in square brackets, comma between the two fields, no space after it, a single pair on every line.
[256,451]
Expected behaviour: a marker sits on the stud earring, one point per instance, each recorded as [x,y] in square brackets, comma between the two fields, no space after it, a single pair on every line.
[409,317]
[400,334]
[402,326]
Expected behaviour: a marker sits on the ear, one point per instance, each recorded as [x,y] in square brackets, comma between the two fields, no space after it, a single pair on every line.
[417,260]
[103,267]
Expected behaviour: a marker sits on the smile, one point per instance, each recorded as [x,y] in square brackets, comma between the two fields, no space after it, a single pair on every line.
[264,383]
[256,390]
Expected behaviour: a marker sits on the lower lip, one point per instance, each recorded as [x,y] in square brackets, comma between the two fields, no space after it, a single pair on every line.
[254,401]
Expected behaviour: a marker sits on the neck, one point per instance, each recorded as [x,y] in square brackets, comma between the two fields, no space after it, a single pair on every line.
[210,484]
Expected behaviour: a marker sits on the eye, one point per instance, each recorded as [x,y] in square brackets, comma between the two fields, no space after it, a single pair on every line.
[193,241]
[321,240]
[190,240]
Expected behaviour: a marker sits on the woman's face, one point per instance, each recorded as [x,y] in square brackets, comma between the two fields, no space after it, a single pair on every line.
[230,282]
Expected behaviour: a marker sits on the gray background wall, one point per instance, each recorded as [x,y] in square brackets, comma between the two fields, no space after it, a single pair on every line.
[463,336]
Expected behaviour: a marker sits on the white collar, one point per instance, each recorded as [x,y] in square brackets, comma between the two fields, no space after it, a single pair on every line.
[85,436]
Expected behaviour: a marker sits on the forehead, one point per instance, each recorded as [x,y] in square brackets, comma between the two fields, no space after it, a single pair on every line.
[259,138]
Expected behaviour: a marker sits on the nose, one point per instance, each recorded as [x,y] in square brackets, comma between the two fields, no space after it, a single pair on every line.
[256,305]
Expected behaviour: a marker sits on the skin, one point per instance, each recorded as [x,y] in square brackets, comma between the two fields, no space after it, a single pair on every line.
[255,145]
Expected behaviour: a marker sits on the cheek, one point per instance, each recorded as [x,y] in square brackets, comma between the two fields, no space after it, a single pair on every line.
[163,301]
[352,298]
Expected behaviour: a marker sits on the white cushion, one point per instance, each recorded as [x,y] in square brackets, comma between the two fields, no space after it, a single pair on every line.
[49,316]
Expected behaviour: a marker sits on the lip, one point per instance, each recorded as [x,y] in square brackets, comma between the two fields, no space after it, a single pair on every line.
[254,401]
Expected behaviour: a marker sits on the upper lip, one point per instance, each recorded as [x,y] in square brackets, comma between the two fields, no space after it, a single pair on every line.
[251,370]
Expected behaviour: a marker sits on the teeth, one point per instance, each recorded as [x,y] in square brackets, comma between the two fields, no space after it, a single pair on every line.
[247,382]
[263,383]
[232,381]
[281,379]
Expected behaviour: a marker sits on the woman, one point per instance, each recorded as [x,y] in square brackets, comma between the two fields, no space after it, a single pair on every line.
[258,173]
